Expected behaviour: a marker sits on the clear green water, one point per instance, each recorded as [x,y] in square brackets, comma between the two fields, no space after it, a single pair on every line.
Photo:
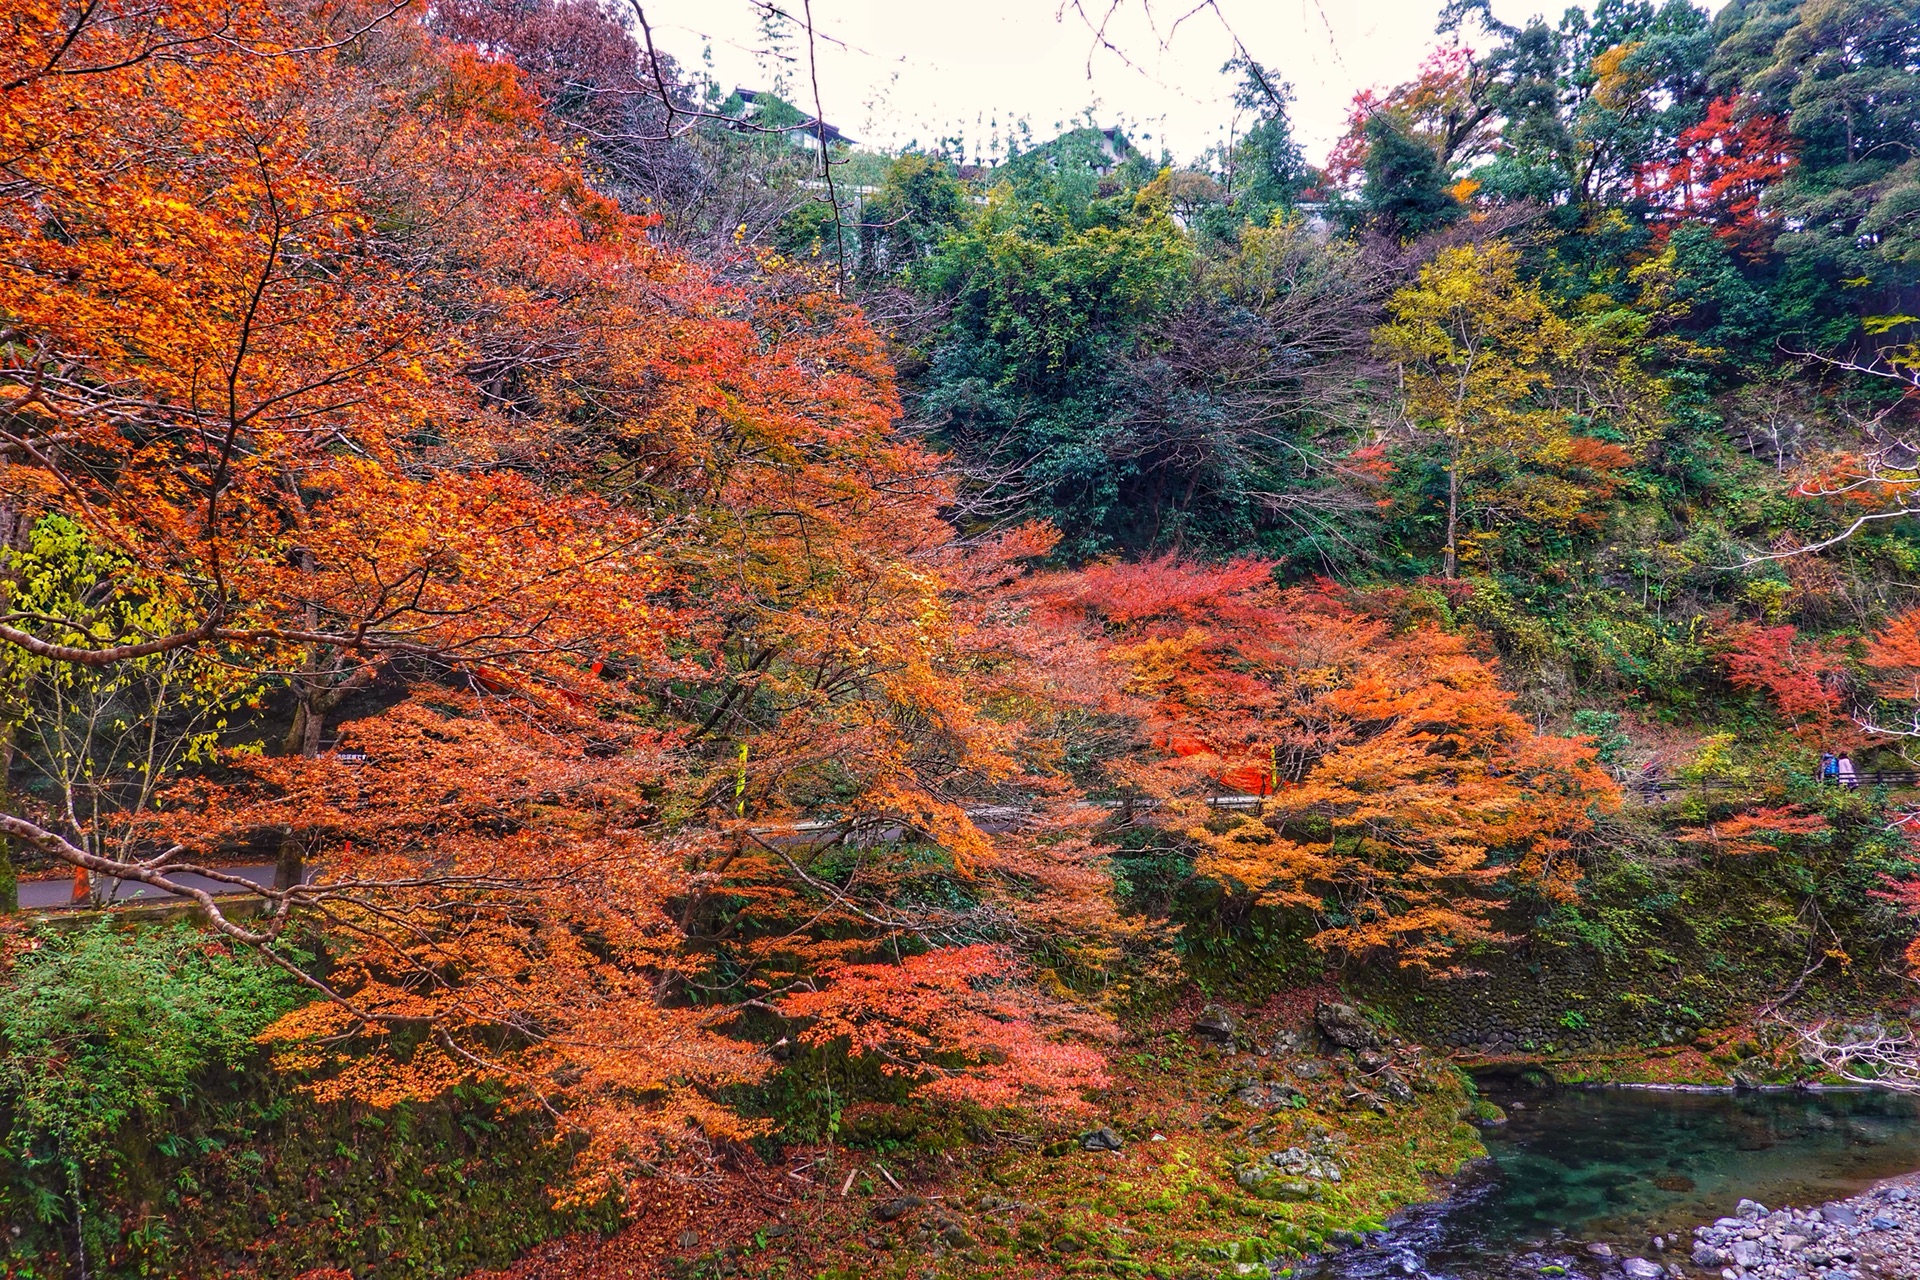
[1622,1166]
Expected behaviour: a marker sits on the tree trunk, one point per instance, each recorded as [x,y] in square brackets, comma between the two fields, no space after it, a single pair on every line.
[297,733]
[14,529]
[1453,516]
[309,715]
[9,875]
[315,721]
[289,869]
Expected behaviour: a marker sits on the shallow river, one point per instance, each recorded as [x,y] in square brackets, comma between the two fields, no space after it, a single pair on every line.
[1623,1166]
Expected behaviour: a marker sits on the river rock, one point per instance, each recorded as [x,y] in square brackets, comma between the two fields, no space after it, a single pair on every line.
[1217,1024]
[1267,1097]
[1869,1237]
[898,1207]
[1269,1183]
[1396,1088]
[1641,1269]
[1346,1026]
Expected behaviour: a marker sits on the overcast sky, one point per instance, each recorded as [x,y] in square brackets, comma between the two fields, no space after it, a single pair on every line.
[900,71]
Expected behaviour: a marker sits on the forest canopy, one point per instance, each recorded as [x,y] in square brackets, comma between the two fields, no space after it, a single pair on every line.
[676,600]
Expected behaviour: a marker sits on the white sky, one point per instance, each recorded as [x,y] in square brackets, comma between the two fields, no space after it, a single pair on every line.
[898,71]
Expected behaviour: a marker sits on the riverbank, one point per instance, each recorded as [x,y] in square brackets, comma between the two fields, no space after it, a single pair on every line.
[1870,1236]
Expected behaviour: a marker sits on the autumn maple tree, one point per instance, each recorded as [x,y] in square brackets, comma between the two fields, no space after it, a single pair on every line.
[1446,106]
[331,350]
[1402,799]
[1806,680]
[1719,172]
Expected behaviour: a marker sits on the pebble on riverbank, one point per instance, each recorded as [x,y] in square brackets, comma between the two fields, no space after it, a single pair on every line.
[1874,1236]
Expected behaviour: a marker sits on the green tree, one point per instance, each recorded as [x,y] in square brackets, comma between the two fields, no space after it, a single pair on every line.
[1267,172]
[1406,189]
[1641,80]
[1537,158]
[1847,75]
[920,202]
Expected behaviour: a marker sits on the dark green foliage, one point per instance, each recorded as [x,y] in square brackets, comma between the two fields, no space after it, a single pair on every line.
[1406,191]
[244,1176]
[1846,75]
[1657,90]
[1268,171]
[1047,298]
[1724,309]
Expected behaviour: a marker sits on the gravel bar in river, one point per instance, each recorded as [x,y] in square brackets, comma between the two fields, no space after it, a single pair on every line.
[1873,1236]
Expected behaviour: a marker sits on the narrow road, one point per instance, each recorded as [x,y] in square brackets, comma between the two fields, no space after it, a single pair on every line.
[42,895]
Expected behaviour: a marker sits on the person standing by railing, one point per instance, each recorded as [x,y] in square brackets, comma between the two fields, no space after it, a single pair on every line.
[1843,769]
[1829,767]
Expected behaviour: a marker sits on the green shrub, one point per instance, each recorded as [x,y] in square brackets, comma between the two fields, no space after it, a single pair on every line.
[101,1025]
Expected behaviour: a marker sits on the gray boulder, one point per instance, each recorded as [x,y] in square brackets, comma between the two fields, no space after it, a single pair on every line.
[1346,1026]
[898,1207]
[1217,1024]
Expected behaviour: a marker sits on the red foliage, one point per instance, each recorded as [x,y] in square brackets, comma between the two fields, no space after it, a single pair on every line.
[954,1022]
[1806,680]
[1720,171]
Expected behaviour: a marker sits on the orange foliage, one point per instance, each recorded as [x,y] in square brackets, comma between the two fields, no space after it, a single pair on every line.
[952,1023]
[309,318]
[1757,831]
[1405,797]
[1894,657]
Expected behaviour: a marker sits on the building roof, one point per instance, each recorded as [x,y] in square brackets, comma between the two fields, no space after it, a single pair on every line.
[814,127]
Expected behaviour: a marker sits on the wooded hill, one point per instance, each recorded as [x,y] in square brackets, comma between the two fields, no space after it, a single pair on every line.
[706,636]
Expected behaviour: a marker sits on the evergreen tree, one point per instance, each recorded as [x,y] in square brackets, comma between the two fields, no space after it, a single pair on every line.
[1406,190]
[1269,170]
